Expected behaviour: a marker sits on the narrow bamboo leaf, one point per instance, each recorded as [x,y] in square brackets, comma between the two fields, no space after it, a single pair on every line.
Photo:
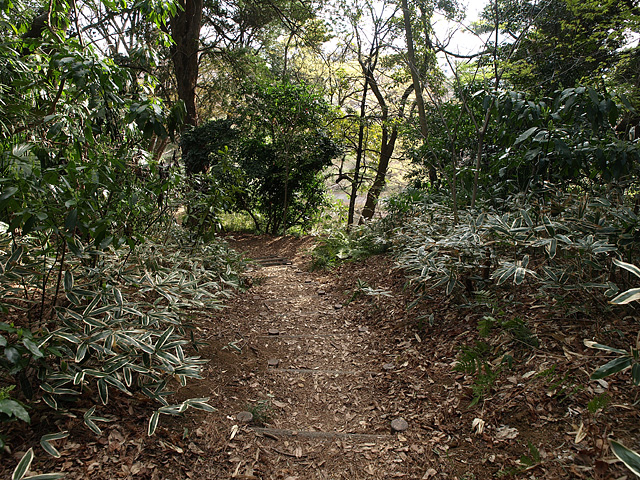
[451,285]
[519,275]
[45,476]
[16,255]
[103,391]
[46,445]
[630,458]
[78,378]
[552,247]
[548,226]
[49,400]
[92,305]
[105,309]
[164,337]
[23,465]
[526,218]
[635,373]
[627,266]
[117,383]
[614,366]
[626,297]
[68,337]
[81,353]
[599,346]
[92,426]
[153,423]
[202,406]
[118,296]
[503,276]
[128,378]
[88,421]
[68,281]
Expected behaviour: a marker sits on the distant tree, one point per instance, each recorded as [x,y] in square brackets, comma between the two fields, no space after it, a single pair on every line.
[567,42]
[279,144]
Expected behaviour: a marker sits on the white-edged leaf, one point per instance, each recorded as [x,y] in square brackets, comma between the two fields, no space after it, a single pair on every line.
[627,266]
[153,423]
[47,447]
[45,476]
[103,391]
[630,458]
[599,346]
[626,297]
[23,465]
[552,247]
[82,352]
[88,421]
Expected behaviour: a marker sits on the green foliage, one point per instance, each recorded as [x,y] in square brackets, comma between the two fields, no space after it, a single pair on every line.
[624,360]
[575,136]
[476,361]
[363,288]
[277,149]
[533,458]
[340,246]
[515,327]
[202,145]
[561,387]
[261,411]
[560,243]
[599,402]
[97,284]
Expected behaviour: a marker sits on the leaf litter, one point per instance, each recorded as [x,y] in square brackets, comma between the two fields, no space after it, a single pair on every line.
[532,421]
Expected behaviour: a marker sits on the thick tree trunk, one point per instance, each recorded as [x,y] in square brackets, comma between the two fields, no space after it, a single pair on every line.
[185,31]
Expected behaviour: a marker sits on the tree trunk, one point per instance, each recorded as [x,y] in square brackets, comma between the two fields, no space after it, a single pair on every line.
[417,84]
[355,184]
[185,31]
[386,150]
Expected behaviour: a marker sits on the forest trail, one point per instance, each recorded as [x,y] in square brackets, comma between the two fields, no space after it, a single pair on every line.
[326,361]
[320,381]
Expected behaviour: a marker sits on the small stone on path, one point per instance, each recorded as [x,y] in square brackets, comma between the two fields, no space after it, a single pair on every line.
[321,292]
[399,425]
[244,417]
[273,331]
[337,306]
[273,362]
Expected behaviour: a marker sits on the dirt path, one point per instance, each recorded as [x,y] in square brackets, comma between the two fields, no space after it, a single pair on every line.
[319,386]
[324,369]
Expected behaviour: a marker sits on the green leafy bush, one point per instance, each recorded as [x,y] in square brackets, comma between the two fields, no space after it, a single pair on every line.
[340,246]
